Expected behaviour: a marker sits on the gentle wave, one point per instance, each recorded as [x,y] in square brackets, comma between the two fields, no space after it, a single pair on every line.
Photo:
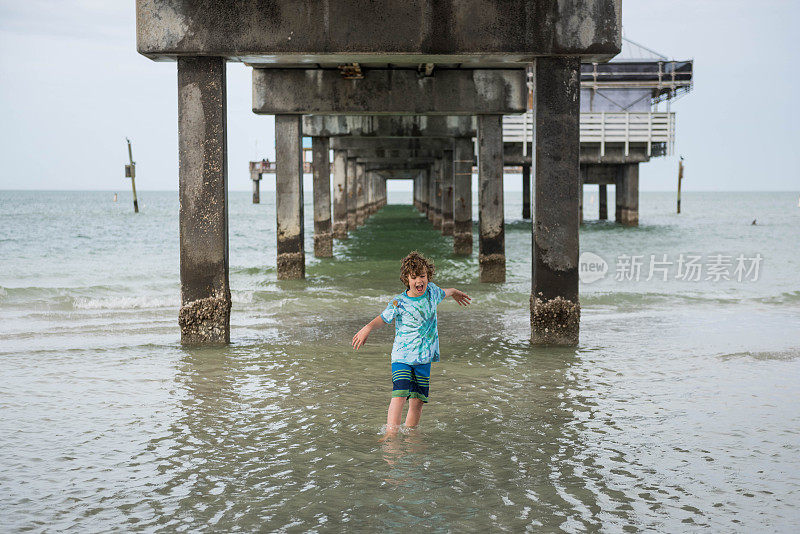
[114,303]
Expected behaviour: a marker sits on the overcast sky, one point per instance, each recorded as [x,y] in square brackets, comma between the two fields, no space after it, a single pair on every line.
[73,87]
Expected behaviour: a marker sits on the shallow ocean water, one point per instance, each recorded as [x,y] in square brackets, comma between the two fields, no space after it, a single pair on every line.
[678,410]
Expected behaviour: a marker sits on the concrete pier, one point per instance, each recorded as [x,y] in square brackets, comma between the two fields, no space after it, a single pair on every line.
[437,201]
[425,190]
[361,195]
[627,195]
[205,311]
[352,189]
[526,191]
[323,238]
[289,197]
[491,239]
[602,197]
[255,177]
[555,309]
[474,67]
[431,193]
[340,194]
[463,159]
[447,192]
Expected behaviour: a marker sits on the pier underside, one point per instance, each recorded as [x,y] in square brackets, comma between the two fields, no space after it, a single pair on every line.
[389,87]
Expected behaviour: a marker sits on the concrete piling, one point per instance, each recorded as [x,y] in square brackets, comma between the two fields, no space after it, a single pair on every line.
[361,195]
[431,193]
[340,194]
[424,190]
[323,239]
[437,201]
[555,309]
[492,249]
[447,192]
[256,179]
[463,158]
[526,191]
[627,195]
[289,197]
[204,316]
[602,194]
[352,187]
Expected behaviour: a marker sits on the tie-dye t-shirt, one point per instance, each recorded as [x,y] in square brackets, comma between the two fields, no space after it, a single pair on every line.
[416,335]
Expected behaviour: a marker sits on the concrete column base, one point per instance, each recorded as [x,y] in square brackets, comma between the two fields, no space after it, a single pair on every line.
[492,267]
[447,228]
[340,229]
[323,245]
[462,238]
[291,265]
[555,321]
[206,321]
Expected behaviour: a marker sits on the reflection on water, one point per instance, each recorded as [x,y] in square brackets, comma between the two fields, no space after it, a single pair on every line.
[677,411]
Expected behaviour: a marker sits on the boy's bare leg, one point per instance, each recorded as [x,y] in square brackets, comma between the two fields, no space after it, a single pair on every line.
[414,412]
[394,415]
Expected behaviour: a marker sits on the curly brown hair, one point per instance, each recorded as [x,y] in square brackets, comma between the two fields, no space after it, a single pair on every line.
[415,264]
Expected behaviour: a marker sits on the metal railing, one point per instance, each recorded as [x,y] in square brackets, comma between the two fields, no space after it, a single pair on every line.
[605,127]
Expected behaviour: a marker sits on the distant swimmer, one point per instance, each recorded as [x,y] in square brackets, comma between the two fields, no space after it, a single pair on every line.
[115,197]
[753,223]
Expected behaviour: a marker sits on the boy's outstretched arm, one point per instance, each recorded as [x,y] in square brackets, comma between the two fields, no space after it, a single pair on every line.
[361,336]
[459,296]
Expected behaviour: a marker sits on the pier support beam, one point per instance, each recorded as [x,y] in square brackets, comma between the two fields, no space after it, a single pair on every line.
[437,201]
[431,193]
[555,309]
[361,192]
[323,240]
[580,200]
[447,192]
[602,198]
[463,158]
[492,248]
[205,311]
[627,195]
[289,197]
[340,194]
[526,191]
[352,189]
[255,176]
[425,191]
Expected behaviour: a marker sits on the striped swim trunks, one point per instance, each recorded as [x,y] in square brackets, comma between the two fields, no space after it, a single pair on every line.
[411,381]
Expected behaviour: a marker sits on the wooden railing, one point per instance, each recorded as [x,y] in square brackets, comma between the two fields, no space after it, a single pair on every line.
[606,127]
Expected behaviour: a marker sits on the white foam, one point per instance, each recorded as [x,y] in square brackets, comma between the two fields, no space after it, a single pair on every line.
[115,303]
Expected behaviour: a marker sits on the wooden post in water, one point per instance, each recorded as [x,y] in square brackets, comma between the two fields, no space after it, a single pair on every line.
[680,179]
[130,172]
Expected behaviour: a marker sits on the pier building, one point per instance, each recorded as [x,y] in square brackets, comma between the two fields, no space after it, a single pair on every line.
[422,58]
[625,120]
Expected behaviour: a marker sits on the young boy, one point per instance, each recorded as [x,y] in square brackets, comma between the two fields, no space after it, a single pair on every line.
[416,340]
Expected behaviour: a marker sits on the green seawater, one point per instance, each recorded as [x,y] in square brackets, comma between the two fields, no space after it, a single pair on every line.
[677,411]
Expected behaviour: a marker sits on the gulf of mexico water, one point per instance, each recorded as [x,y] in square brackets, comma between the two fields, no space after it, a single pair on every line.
[678,411]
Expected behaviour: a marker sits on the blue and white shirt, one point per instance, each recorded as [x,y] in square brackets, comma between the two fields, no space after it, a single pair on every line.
[416,334]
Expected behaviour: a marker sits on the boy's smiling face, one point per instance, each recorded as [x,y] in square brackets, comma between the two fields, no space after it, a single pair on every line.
[417,284]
